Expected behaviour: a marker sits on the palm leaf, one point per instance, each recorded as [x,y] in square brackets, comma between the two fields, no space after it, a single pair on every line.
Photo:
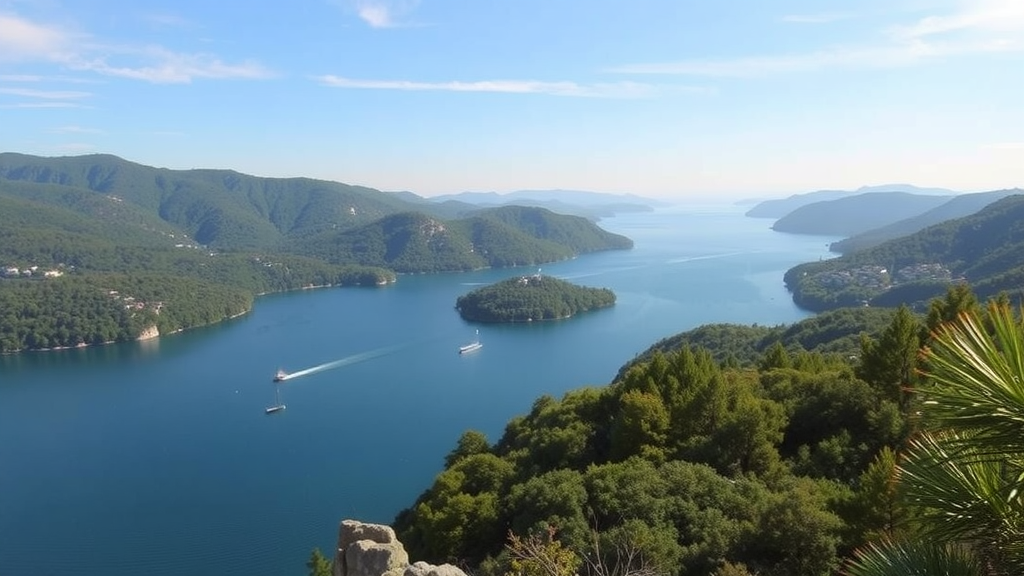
[889,558]
[978,382]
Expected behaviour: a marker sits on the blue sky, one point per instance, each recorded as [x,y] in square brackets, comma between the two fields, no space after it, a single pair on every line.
[663,98]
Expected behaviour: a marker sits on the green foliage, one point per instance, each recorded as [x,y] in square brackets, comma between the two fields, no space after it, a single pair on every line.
[531,298]
[535,555]
[965,469]
[890,363]
[318,564]
[834,335]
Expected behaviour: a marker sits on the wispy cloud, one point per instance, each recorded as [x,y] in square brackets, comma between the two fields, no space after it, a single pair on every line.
[384,13]
[824,18]
[22,39]
[20,78]
[166,67]
[43,105]
[45,94]
[977,27]
[608,90]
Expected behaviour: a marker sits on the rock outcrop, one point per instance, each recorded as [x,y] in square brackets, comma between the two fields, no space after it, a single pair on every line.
[374,550]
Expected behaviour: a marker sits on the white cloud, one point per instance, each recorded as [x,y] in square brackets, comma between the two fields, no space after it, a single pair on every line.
[977,27]
[21,39]
[977,16]
[609,90]
[384,13]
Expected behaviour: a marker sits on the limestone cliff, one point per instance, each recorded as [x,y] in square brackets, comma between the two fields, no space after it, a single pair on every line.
[374,550]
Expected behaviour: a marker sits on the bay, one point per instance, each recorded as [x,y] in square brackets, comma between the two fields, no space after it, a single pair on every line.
[156,457]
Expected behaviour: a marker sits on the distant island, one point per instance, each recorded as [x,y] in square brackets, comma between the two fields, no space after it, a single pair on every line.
[531,298]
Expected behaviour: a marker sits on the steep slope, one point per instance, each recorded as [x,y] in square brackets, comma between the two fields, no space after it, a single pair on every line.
[957,207]
[856,214]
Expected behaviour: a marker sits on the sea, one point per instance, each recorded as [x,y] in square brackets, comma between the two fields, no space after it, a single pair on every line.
[158,458]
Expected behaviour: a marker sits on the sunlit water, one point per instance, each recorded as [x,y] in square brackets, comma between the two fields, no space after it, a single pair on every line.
[157,457]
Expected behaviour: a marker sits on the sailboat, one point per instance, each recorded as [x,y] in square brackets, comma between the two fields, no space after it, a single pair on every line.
[475,345]
[277,407]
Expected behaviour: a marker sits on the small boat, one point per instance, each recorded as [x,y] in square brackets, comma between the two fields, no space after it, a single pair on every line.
[280,376]
[277,407]
[475,345]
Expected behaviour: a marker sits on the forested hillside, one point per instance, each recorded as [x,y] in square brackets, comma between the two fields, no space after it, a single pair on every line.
[97,249]
[778,464]
[985,250]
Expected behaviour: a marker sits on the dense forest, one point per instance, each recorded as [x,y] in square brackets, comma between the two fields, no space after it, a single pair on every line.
[784,463]
[985,249]
[531,298]
[98,249]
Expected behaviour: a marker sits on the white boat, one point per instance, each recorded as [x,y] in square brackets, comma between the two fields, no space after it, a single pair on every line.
[280,376]
[277,407]
[475,345]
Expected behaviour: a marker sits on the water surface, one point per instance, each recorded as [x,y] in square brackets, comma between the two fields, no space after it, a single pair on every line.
[157,457]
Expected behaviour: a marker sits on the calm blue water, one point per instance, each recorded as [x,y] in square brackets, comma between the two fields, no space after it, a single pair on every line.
[157,457]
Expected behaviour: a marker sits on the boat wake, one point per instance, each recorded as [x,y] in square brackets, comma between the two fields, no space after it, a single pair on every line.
[355,358]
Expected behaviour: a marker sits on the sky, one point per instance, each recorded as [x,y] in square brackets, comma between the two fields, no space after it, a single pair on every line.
[661,98]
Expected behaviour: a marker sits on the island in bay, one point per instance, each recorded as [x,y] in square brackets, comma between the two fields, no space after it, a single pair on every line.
[531,298]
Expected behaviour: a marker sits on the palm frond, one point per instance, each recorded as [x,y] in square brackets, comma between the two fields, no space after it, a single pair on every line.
[890,558]
[978,381]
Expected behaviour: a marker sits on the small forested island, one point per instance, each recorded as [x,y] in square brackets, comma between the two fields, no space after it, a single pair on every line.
[531,298]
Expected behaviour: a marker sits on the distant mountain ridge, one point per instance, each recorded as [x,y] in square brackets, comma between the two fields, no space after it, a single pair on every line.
[592,205]
[777,208]
[856,214]
[957,207]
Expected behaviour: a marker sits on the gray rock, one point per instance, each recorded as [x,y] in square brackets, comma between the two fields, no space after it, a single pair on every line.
[424,569]
[368,550]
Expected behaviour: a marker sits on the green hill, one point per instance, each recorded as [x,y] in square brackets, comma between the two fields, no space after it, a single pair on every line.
[508,236]
[985,250]
[531,298]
